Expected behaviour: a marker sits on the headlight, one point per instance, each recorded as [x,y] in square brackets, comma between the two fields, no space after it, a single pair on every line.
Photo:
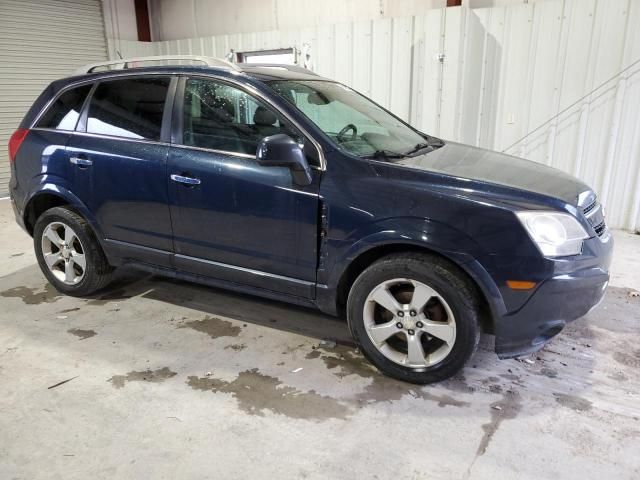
[556,234]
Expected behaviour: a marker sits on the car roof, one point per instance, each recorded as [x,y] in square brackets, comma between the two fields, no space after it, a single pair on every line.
[278,72]
[260,72]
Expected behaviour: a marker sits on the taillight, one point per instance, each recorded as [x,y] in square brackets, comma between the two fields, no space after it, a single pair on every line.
[15,141]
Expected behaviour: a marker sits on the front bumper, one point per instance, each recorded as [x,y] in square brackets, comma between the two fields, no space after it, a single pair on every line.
[576,287]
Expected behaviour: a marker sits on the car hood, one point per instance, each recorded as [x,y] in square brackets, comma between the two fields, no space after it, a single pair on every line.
[464,161]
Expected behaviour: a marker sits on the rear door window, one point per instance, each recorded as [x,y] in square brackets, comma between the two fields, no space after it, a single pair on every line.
[130,108]
[63,114]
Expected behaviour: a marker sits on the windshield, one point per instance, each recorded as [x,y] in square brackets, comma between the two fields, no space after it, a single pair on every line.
[352,121]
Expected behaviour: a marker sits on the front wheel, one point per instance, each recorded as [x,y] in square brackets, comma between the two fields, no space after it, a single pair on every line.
[69,254]
[415,317]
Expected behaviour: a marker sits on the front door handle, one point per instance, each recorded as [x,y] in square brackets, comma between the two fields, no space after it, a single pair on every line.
[185,180]
[82,162]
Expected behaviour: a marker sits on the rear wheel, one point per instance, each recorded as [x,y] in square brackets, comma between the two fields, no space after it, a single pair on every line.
[415,317]
[69,254]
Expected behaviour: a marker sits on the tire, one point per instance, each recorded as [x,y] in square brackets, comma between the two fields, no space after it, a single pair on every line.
[79,267]
[450,311]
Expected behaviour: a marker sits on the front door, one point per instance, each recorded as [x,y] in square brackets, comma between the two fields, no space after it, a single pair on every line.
[232,218]
[120,164]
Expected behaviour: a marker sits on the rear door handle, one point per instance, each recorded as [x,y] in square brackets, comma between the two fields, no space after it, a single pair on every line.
[185,180]
[83,162]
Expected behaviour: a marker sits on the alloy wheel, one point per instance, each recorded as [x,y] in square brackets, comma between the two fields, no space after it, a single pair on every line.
[409,322]
[63,253]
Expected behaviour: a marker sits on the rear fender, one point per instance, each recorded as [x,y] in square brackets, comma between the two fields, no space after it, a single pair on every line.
[57,190]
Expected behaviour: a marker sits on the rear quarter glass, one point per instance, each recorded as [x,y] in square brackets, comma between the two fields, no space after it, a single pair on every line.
[64,113]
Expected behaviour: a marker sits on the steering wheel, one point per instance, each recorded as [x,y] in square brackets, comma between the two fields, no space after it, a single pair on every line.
[341,133]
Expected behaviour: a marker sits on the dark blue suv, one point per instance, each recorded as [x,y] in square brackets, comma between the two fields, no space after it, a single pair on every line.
[274,181]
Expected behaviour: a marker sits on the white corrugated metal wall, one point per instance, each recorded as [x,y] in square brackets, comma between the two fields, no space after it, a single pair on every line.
[40,41]
[559,69]
[506,71]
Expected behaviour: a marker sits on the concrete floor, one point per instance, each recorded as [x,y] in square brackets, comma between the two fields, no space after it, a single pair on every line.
[174,380]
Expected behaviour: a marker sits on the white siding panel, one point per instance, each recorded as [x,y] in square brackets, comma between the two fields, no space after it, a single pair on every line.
[35,50]
[539,80]
[325,51]
[381,61]
[451,80]
[401,58]
[428,44]
[471,83]
[361,54]
[343,53]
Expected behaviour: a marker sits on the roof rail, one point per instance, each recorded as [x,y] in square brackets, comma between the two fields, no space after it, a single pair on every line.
[281,66]
[126,63]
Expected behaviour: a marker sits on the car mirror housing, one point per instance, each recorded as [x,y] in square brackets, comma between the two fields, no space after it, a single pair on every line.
[282,151]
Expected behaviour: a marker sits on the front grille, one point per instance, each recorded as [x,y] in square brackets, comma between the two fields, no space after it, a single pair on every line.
[588,208]
[594,215]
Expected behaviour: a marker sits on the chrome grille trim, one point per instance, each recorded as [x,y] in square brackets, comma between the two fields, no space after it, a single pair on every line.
[588,208]
[594,214]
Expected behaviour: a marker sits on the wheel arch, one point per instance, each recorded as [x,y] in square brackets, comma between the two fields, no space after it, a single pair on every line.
[39,204]
[50,196]
[368,256]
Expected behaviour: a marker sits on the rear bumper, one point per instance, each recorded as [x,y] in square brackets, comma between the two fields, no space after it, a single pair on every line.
[576,287]
[18,214]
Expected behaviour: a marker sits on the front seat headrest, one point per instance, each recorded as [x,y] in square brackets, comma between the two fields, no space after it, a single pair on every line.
[264,117]
[224,109]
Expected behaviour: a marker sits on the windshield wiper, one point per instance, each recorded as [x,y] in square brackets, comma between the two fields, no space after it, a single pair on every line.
[418,147]
[432,142]
[385,154]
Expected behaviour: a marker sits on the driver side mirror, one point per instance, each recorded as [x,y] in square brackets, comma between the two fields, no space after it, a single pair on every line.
[282,151]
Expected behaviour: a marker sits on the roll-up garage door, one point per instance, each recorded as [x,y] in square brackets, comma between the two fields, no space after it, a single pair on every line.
[41,41]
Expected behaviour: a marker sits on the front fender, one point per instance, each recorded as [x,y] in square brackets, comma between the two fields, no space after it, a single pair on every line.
[410,231]
[437,237]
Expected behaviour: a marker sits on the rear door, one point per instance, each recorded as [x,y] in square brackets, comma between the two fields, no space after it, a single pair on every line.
[233,218]
[119,155]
